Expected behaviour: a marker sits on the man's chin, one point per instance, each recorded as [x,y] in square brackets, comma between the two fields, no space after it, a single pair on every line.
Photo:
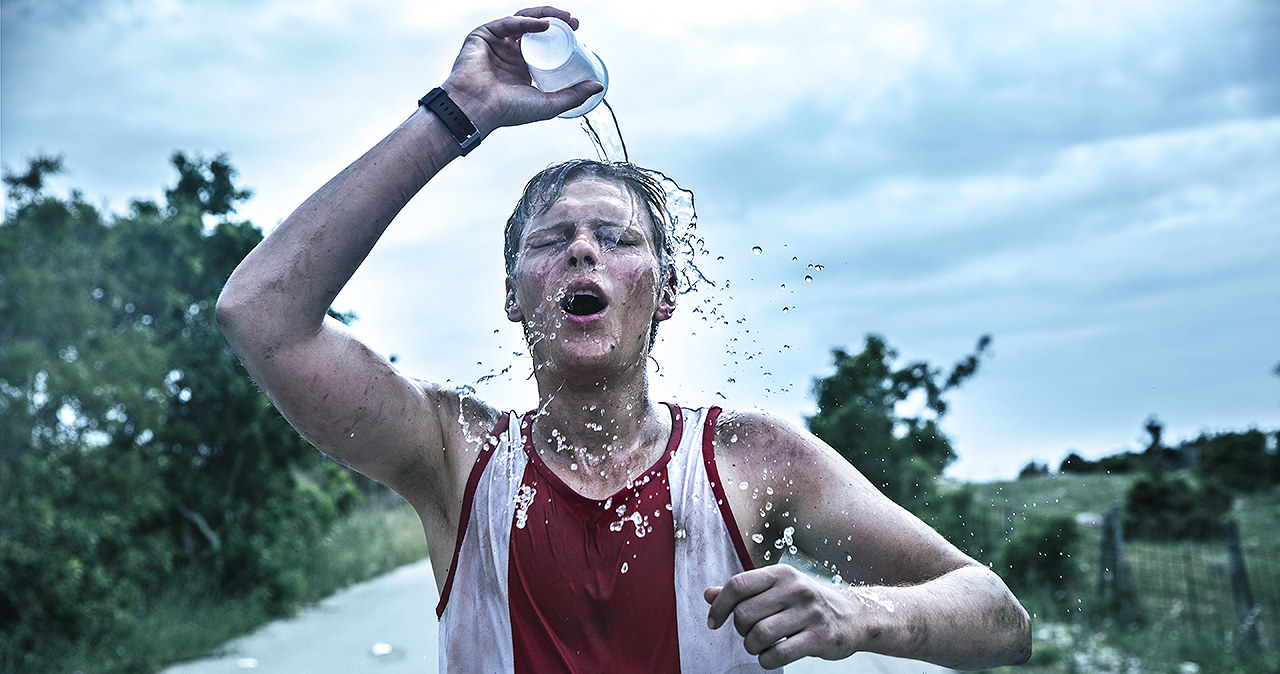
[588,357]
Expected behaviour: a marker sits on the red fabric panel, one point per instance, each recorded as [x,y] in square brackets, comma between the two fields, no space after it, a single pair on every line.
[591,583]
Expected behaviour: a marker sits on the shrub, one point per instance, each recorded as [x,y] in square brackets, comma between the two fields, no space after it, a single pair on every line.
[1171,507]
[1038,558]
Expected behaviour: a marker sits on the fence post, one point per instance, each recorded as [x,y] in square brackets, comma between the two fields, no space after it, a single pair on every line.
[1114,591]
[1188,573]
[1246,610]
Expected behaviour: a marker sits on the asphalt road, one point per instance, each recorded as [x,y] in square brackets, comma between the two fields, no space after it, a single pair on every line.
[388,625]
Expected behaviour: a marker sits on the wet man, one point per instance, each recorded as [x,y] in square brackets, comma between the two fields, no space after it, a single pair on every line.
[603,531]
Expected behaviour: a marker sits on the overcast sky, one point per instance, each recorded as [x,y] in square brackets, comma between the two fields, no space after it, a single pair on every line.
[1095,184]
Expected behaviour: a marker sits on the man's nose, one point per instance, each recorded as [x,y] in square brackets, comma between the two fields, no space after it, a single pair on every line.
[583,250]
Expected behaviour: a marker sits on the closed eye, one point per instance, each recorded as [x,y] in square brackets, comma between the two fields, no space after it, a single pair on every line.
[611,237]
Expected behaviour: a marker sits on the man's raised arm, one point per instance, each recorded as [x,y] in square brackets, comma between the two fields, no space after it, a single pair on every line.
[342,397]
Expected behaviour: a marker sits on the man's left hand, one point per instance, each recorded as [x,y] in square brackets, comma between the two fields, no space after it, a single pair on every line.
[785,615]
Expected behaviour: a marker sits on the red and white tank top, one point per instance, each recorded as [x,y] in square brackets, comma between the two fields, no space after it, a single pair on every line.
[544,579]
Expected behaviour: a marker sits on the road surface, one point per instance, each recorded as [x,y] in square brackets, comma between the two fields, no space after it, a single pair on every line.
[388,626]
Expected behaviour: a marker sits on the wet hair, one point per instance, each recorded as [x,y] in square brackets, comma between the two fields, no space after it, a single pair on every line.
[542,191]
[545,188]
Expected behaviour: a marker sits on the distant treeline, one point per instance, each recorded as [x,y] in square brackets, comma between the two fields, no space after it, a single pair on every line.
[1239,460]
[1183,492]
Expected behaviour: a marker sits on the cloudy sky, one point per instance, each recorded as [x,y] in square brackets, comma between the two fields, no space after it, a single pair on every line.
[1096,184]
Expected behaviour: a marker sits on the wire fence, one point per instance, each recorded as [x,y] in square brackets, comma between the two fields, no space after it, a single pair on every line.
[1208,601]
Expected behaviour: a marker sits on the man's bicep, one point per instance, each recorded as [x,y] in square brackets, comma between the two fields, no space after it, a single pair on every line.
[352,404]
[851,527]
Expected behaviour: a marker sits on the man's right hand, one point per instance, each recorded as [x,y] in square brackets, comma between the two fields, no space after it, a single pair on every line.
[490,80]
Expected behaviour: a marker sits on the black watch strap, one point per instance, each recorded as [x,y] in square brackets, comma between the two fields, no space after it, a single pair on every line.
[439,103]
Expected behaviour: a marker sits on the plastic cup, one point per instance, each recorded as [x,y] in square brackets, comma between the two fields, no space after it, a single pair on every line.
[557,59]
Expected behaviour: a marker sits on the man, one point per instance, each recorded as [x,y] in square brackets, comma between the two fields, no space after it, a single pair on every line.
[602,531]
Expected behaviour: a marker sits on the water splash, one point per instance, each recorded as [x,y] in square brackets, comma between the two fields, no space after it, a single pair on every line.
[601,126]
[869,597]
[524,499]
[786,541]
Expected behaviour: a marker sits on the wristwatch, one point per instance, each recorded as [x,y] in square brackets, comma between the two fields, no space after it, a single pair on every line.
[466,133]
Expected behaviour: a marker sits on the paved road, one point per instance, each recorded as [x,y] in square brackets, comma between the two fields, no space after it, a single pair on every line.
[388,626]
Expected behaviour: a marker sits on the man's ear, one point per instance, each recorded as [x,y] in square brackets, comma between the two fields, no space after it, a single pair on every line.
[667,298]
[513,308]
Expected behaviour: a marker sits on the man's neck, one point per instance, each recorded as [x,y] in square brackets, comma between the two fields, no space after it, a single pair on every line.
[598,435]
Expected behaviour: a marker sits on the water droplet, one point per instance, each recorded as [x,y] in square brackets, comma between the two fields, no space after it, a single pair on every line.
[743,486]
[624,567]
[759,538]
[732,439]
[524,499]
[808,279]
[380,649]
[757,250]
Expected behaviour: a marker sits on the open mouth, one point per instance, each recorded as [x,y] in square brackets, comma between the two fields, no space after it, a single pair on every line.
[584,303]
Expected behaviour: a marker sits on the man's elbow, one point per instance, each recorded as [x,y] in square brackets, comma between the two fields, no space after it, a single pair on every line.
[1019,633]
[239,317]
[229,310]
[1009,625]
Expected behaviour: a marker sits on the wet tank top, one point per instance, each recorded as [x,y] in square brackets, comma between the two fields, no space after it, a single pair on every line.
[544,579]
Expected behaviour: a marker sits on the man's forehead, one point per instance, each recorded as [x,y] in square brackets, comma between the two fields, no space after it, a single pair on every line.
[593,198]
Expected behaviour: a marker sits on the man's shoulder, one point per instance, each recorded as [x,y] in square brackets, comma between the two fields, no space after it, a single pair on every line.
[463,415]
[746,432]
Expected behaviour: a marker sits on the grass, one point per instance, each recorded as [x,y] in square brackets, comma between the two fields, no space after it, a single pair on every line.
[1187,620]
[185,620]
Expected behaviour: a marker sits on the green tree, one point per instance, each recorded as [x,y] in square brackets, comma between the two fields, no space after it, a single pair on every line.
[859,415]
[133,448]
[1238,461]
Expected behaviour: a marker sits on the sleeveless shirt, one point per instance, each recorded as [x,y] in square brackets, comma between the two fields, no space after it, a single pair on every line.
[544,579]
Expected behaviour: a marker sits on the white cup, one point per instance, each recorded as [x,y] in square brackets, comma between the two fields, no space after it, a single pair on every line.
[557,59]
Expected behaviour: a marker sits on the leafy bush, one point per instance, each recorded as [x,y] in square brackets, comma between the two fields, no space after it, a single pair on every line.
[1038,558]
[132,446]
[1237,461]
[1163,506]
